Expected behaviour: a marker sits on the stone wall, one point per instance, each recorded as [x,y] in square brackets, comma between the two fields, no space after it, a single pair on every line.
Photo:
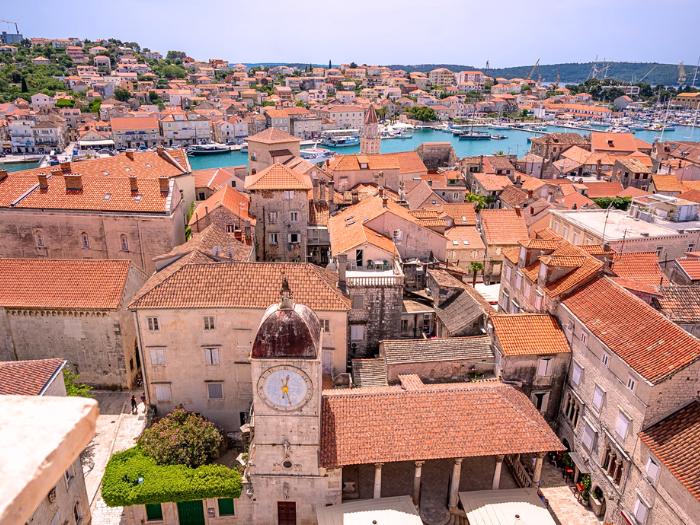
[437,155]
[380,313]
[264,202]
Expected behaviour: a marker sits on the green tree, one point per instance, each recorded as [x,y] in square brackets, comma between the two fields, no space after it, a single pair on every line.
[479,201]
[122,94]
[175,55]
[182,438]
[618,203]
[73,385]
[171,71]
[94,106]
[353,65]
[65,103]
[422,113]
[475,267]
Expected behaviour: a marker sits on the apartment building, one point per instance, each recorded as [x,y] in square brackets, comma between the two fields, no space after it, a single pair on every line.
[135,132]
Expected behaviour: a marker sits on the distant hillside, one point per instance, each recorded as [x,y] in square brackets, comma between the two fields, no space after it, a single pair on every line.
[574,73]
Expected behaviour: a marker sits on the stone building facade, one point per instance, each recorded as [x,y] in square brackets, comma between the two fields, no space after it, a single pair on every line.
[270,146]
[75,310]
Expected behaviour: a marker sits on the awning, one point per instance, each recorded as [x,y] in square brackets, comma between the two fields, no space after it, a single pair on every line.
[580,463]
[398,510]
[501,506]
[91,143]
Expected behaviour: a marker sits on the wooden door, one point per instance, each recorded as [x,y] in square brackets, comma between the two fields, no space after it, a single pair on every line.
[286,513]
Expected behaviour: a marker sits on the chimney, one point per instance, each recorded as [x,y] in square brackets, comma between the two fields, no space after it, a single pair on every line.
[164,183]
[130,155]
[529,194]
[342,269]
[133,183]
[65,167]
[385,201]
[74,182]
[43,181]
[160,150]
[355,196]
[3,175]
[381,191]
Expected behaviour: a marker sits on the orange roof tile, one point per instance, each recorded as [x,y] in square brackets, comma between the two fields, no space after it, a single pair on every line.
[407,162]
[503,227]
[234,201]
[278,177]
[652,345]
[669,183]
[134,123]
[273,136]
[601,189]
[641,267]
[28,378]
[529,334]
[63,284]
[417,422]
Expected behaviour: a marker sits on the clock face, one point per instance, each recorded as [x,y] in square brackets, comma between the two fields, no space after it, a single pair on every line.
[285,387]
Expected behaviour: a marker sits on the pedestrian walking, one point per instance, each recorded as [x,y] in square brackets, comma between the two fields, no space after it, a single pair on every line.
[134,404]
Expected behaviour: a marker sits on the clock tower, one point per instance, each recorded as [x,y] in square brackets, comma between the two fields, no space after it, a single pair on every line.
[287,481]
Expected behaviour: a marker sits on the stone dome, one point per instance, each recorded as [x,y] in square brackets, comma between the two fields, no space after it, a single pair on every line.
[287,330]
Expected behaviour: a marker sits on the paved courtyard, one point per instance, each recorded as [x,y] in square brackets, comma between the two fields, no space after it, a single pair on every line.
[117,429]
[562,501]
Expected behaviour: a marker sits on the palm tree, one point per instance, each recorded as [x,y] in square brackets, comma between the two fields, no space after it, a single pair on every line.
[475,267]
[479,201]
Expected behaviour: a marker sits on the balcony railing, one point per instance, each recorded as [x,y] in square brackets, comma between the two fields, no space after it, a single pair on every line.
[378,280]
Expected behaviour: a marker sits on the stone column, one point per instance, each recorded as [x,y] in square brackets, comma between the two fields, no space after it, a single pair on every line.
[454,482]
[377,480]
[537,474]
[497,472]
[416,482]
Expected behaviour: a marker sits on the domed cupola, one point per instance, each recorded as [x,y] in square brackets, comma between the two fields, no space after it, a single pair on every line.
[287,330]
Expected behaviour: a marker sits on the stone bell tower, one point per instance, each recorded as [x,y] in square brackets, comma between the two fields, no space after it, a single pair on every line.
[370,139]
[287,481]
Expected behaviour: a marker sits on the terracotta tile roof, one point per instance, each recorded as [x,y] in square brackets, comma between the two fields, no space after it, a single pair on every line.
[631,191]
[492,182]
[278,177]
[369,372]
[461,234]
[241,285]
[233,200]
[648,342]
[421,194]
[615,142]
[214,242]
[668,183]
[577,201]
[28,378]
[407,162]
[690,195]
[319,214]
[503,227]
[603,189]
[513,197]
[399,351]
[680,303]
[273,136]
[417,422]
[675,441]
[134,123]
[690,266]
[212,178]
[82,284]
[430,218]
[463,214]
[529,334]
[641,267]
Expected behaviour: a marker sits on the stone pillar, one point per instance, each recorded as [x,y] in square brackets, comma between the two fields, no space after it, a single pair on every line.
[416,482]
[537,474]
[497,472]
[454,483]
[377,480]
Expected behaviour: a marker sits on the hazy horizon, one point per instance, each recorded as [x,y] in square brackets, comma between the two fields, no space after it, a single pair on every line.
[382,31]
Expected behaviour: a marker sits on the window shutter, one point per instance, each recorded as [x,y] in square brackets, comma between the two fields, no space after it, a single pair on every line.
[576,373]
[652,470]
[622,425]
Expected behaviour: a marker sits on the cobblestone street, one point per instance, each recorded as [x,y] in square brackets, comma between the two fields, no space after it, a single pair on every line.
[117,429]
[562,501]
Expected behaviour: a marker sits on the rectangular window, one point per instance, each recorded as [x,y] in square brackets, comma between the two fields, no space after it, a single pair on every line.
[288,195]
[659,249]
[359,257]
[215,390]
[293,216]
[325,325]
[230,228]
[208,322]
[605,358]
[544,367]
[576,373]
[153,324]
[272,217]
[631,383]
[163,393]
[293,238]
[273,238]
[357,332]
[598,397]
[211,356]
[641,511]
[691,247]
[652,470]
[506,271]
[358,302]
[538,300]
[622,425]
[154,512]
[226,507]
[157,356]
[518,280]
[588,437]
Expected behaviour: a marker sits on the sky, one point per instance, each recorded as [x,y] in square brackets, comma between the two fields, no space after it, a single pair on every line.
[466,32]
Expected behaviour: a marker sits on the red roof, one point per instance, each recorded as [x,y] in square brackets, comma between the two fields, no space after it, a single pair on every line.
[675,441]
[647,341]
[420,422]
[504,227]
[134,123]
[690,266]
[27,378]
[529,334]
[83,284]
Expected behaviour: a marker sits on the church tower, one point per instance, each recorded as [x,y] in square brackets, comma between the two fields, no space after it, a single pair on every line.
[287,481]
[370,140]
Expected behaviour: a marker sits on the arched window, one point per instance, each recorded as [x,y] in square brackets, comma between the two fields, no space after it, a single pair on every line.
[124,243]
[84,240]
[39,239]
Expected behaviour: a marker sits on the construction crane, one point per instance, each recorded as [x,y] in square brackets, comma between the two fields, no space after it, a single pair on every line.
[647,73]
[11,22]
[532,71]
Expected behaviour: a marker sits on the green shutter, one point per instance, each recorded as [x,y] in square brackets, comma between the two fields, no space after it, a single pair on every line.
[154,511]
[226,507]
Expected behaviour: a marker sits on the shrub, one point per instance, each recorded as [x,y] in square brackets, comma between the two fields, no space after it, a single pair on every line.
[182,438]
[73,386]
[132,478]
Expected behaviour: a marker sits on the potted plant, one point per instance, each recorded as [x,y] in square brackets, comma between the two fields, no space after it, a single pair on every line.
[585,493]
